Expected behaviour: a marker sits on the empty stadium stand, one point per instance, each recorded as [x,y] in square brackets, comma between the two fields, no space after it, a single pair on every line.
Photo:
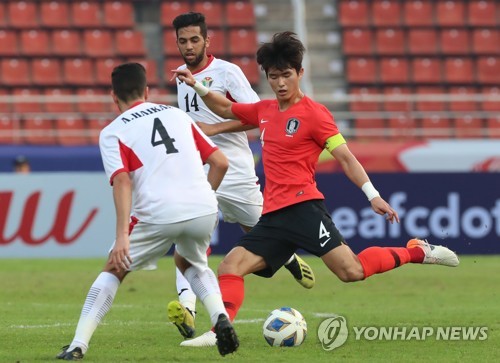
[428,48]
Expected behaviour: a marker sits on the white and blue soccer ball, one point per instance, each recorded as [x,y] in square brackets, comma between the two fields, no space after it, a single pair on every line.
[285,327]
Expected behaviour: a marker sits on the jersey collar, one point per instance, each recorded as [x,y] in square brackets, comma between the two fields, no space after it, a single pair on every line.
[210,60]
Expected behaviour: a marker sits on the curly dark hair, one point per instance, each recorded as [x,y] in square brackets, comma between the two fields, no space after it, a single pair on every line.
[284,51]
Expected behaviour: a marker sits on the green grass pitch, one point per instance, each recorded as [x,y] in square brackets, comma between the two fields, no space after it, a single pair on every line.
[40,302]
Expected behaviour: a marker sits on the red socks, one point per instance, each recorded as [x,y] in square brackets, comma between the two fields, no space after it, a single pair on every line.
[376,260]
[232,288]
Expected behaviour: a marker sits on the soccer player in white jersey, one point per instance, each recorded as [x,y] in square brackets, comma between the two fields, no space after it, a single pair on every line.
[239,196]
[153,156]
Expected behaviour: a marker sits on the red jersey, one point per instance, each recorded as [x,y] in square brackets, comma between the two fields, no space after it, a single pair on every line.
[291,143]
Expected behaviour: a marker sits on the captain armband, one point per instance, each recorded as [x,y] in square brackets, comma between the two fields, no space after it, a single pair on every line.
[333,142]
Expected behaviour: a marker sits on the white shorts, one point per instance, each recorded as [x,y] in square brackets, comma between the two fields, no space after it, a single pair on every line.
[149,242]
[240,203]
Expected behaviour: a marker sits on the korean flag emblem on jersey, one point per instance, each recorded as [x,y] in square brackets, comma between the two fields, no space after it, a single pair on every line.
[292,125]
[207,81]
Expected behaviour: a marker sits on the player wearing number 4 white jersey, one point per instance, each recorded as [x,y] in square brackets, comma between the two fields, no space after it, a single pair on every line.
[239,196]
[153,156]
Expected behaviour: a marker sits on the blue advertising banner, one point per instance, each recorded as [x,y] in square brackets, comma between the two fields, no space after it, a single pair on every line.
[461,211]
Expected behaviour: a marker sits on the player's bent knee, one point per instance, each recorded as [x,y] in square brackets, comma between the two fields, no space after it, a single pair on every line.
[351,274]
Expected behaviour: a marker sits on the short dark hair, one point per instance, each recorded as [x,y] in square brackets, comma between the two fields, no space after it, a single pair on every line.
[190,19]
[129,81]
[284,51]
[20,160]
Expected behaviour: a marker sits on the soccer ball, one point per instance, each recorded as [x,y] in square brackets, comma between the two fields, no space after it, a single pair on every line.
[285,327]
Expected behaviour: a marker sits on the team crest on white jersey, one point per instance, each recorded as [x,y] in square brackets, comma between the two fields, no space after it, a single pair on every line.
[292,125]
[207,81]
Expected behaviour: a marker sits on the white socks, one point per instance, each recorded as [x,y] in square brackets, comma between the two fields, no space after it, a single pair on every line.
[97,304]
[205,286]
[186,295]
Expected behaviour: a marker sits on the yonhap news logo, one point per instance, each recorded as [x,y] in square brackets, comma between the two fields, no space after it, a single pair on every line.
[333,333]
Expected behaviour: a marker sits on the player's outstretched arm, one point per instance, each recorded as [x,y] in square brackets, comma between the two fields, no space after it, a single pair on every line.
[218,167]
[357,174]
[216,102]
[223,127]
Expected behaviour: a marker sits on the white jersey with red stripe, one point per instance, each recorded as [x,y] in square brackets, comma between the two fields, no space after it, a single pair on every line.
[163,151]
[227,79]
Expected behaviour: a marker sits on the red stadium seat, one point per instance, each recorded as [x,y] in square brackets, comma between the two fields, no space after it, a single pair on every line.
[418,13]
[486,41]
[386,13]
[66,43]
[39,131]
[394,70]
[432,103]
[491,104]
[34,43]
[357,41]
[353,13]
[103,69]
[362,105]
[95,125]
[86,14]
[422,41]
[370,128]
[78,72]
[402,127]
[97,100]
[53,106]
[151,70]
[46,72]
[169,64]
[242,42]
[98,43]
[455,41]
[488,70]
[450,13]
[458,70]
[467,104]
[361,70]
[25,104]
[170,9]
[426,70]
[493,127]
[118,14]
[468,127]
[436,127]
[240,14]
[212,10]
[71,131]
[395,105]
[390,41]
[54,14]
[217,45]
[170,43]
[23,14]
[8,43]
[15,72]
[482,13]
[249,67]
[9,130]
[5,103]
[129,43]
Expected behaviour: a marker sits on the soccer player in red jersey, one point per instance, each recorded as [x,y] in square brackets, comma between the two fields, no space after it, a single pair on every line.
[294,131]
